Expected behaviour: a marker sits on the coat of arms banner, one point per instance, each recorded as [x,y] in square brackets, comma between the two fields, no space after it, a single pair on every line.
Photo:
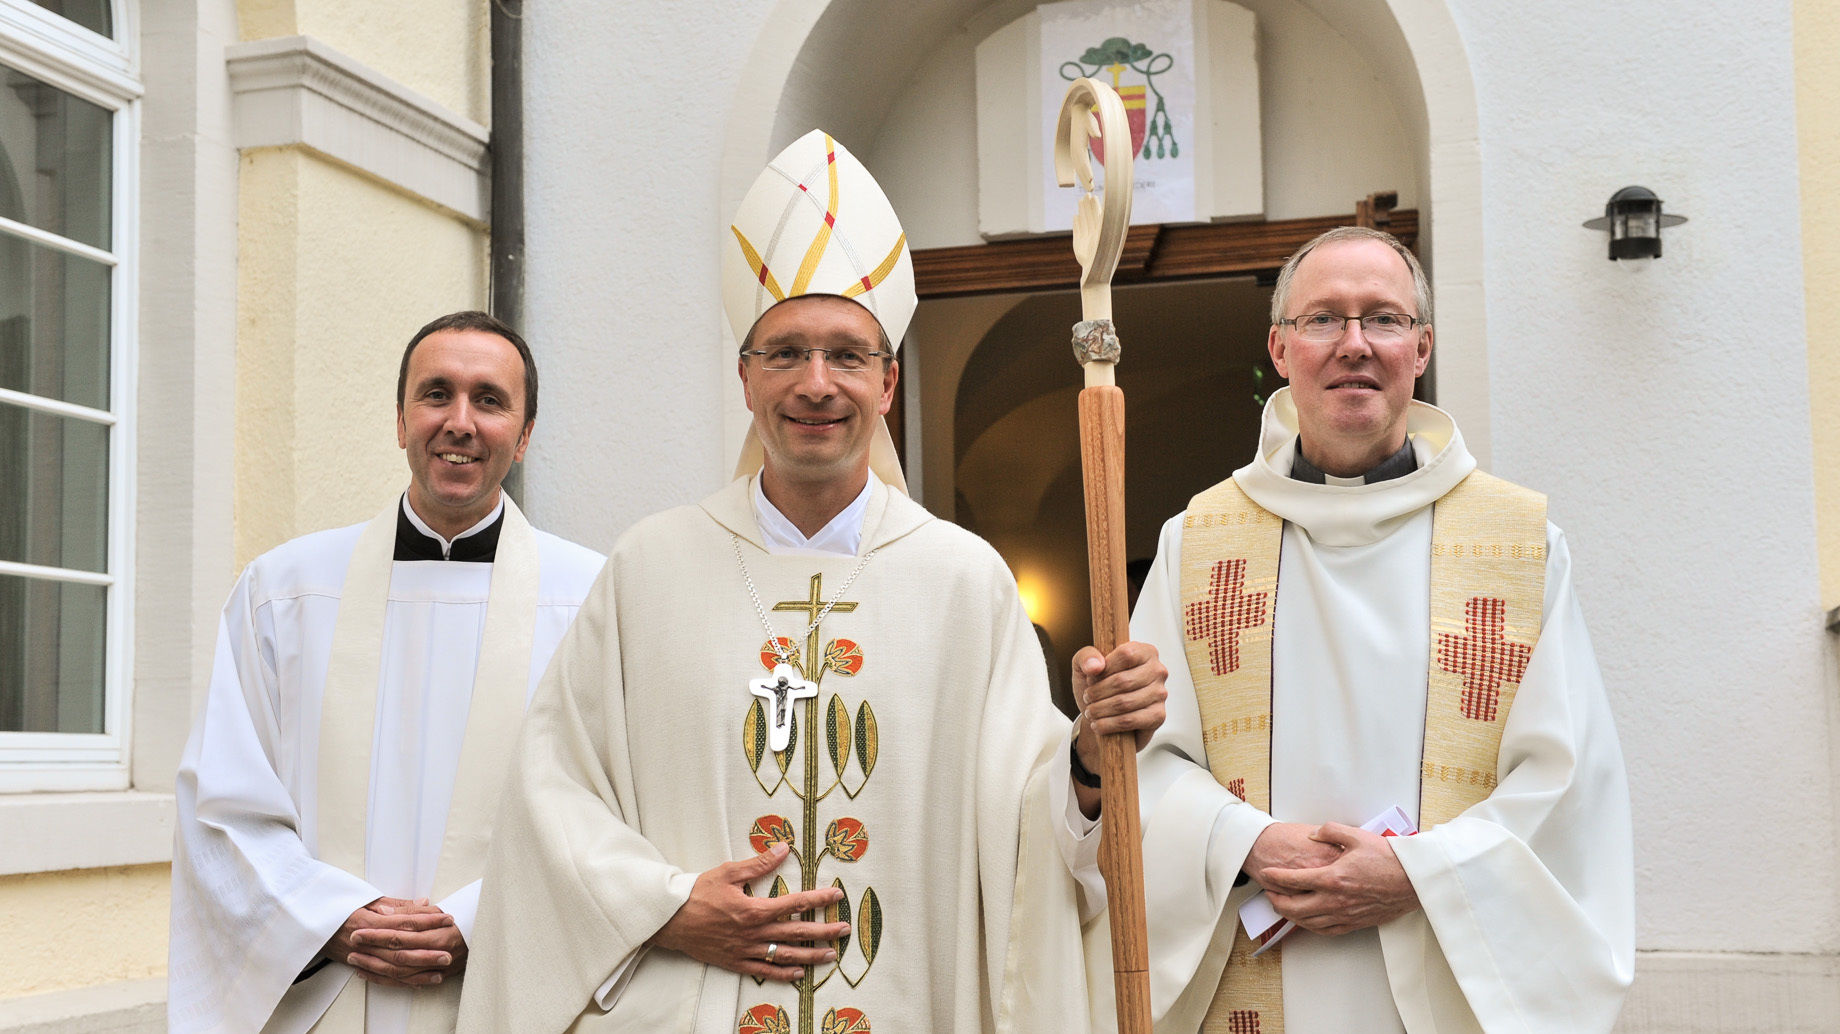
[1145,51]
[1187,71]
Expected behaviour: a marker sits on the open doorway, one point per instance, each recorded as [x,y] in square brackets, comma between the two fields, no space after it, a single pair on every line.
[994,442]
[1190,350]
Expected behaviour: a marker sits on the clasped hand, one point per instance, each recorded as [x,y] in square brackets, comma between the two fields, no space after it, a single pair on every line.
[722,925]
[399,943]
[1330,879]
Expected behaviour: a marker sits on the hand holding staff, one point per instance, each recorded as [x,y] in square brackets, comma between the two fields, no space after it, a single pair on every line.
[1093,109]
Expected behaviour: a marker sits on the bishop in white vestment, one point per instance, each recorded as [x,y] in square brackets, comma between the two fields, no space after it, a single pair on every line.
[646,762]
[793,767]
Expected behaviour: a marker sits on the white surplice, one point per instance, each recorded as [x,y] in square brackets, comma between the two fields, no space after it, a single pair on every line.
[636,773]
[252,906]
[1528,918]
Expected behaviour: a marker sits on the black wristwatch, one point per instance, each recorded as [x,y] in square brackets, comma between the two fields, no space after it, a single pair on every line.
[1080,774]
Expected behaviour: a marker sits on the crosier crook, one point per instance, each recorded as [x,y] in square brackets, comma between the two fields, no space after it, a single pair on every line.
[1091,109]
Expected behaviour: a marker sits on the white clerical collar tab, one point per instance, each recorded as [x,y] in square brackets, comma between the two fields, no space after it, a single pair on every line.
[447,545]
[1349,516]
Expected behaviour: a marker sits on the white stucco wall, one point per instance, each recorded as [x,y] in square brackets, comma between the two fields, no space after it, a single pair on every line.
[1318,97]
[1664,408]
[622,235]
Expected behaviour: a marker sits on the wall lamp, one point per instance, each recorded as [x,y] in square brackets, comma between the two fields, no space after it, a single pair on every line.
[1633,217]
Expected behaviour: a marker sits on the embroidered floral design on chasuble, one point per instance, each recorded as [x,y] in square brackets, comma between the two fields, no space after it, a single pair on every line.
[818,774]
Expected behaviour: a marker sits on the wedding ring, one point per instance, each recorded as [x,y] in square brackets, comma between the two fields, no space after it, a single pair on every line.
[772,950]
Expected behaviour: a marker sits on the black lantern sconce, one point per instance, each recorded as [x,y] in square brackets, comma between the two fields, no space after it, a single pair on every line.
[1633,217]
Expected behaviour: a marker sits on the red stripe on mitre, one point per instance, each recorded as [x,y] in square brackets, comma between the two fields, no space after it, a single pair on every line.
[830,219]
[804,188]
[764,273]
[867,285]
[830,157]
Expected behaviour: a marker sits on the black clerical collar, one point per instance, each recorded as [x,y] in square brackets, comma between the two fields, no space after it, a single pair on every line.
[1398,465]
[477,547]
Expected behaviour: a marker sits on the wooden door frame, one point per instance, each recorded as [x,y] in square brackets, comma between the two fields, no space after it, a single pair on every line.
[1152,254]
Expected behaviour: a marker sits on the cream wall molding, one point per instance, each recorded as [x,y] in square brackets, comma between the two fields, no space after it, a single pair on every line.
[1675,993]
[124,1007]
[297,91]
[52,832]
[1678,992]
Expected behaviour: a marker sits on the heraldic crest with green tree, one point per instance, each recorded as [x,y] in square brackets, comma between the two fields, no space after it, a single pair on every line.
[841,761]
[1154,137]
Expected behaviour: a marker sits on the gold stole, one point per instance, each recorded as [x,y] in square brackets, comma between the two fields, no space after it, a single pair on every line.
[348,714]
[1488,580]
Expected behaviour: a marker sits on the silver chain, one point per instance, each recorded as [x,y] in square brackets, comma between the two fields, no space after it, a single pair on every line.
[773,640]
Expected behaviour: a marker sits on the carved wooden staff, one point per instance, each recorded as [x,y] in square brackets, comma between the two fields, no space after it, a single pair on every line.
[1091,109]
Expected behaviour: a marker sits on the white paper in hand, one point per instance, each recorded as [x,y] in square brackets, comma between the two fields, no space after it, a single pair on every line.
[1263,923]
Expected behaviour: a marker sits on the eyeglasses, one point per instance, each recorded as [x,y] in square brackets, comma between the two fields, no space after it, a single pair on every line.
[837,360]
[1375,326]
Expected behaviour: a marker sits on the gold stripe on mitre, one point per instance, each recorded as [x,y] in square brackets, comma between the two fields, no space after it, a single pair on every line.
[1488,577]
[816,222]
[880,272]
[1230,549]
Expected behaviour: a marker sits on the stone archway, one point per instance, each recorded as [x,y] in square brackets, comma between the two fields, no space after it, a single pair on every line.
[844,65]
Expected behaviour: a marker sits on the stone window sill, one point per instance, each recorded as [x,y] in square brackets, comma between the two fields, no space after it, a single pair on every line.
[52,832]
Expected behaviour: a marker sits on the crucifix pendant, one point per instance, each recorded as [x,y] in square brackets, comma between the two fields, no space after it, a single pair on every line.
[779,691]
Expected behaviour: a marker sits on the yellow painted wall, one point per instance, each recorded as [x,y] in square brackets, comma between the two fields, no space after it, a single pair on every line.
[419,43]
[1817,110]
[78,929]
[336,271]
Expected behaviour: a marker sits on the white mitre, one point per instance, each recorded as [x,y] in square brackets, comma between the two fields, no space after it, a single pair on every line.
[816,222]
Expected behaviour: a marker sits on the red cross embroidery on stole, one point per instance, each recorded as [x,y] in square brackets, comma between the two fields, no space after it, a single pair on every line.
[1483,657]
[1227,611]
[1243,1021]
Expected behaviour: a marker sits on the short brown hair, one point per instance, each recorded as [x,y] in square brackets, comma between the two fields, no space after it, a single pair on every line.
[484,322]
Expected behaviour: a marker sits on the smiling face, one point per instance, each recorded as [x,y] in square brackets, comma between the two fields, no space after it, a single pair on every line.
[815,424]
[1351,393]
[461,421]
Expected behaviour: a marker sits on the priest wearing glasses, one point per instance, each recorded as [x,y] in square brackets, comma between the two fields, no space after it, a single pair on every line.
[337,794]
[1389,795]
[796,766]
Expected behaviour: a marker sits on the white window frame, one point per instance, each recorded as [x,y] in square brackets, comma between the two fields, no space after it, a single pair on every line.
[104,72]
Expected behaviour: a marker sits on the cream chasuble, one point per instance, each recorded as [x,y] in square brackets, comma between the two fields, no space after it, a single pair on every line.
[1527,922]
[916,781]
[289,819]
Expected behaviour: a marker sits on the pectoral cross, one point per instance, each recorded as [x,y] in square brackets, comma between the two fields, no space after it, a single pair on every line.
[784,687]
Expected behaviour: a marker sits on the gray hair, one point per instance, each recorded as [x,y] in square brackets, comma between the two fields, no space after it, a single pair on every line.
[1421,288]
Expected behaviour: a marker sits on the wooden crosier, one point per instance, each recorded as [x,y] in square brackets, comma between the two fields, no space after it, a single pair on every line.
[1091,109]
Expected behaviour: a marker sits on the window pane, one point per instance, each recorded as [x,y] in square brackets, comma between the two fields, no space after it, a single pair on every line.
[51,655]
[54,323]
[55,509]
[91,14]
[55,157]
